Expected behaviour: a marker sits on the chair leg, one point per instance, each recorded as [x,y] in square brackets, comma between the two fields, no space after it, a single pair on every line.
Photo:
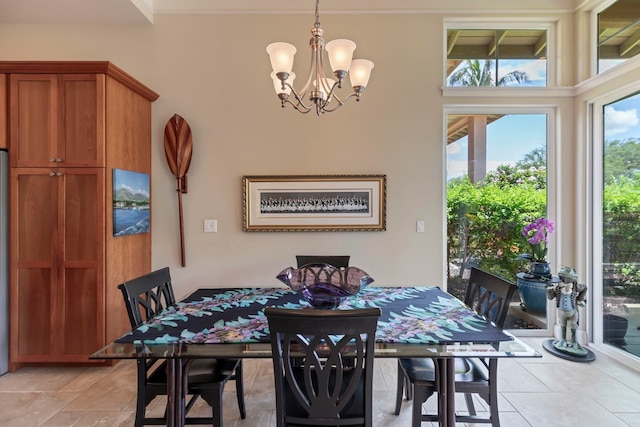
[468,397]
[493,392]
[213,397]
[141,400]
[240,390]
[400,386]
[140,412]
[495,418]
[408,388]
[217,410]
[419,396]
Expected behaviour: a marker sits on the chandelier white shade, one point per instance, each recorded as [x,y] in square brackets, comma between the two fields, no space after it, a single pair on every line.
[319,92]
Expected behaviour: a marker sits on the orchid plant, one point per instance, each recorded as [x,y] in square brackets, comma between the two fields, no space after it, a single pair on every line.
[537,234]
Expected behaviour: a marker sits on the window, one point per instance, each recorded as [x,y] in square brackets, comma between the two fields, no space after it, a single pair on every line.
[496,183]
[618,33]
[496,57]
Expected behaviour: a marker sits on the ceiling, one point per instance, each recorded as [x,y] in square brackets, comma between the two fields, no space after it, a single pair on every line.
[73,11]
[142,11]
[619,34]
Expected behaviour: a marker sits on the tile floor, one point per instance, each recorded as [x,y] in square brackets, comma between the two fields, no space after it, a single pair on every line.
[542,392]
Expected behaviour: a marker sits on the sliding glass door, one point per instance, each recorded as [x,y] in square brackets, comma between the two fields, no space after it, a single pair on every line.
[620,264]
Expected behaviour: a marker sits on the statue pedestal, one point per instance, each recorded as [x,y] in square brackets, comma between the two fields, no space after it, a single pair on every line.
[588,357]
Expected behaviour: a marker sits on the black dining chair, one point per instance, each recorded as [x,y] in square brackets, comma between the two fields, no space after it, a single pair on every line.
[339,261]
[488,295]
[332,386]
[144,297]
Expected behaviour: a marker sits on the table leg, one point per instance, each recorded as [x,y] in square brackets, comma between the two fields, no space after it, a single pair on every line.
[447,392]
[175,393]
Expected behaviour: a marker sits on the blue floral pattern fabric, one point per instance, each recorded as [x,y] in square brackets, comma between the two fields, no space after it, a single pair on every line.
[420,315]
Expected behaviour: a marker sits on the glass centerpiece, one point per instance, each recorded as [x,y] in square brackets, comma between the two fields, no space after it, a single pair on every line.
[323,285]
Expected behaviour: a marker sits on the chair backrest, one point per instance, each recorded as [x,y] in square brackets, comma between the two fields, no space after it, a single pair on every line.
[340,261]
[489,295]
[146,295]
[333,383]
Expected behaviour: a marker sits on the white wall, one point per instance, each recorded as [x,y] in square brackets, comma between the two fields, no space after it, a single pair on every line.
[214,71]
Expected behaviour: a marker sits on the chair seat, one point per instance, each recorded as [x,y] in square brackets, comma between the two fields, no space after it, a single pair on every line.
[202,372]
[423,370]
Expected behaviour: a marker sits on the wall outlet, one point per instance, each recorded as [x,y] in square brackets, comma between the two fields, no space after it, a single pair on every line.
[210,225]
[420,226]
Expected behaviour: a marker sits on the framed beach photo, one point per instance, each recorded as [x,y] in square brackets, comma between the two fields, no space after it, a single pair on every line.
[314,203]
[131,203]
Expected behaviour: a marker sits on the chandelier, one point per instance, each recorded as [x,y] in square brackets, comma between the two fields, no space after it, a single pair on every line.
[319,89]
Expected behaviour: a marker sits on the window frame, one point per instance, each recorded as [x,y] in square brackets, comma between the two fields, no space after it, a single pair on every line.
[504,24]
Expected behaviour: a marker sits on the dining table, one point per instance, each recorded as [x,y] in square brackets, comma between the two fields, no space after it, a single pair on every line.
[416,321]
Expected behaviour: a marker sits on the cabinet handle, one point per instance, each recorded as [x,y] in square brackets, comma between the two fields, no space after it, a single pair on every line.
[58,160]
[52,174]
[51,160]
[58,173]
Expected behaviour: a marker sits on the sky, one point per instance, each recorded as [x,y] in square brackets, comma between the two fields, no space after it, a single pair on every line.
[621,119]
[135,181]
[506,142]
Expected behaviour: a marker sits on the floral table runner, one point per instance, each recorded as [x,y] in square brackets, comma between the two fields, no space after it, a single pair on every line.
[420,315]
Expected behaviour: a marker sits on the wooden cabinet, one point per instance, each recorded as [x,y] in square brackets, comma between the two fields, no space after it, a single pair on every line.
[69,124]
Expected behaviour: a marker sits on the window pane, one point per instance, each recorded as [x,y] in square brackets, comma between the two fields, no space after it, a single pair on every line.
[618,33]
[473,72]
[496,183]
[491,57]
[510,72]
[621,225]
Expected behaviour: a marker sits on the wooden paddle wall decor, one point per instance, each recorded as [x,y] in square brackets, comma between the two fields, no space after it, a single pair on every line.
[178,148]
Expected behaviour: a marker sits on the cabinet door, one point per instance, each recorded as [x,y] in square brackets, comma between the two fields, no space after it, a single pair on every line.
[57,285]
[81,262]
[57,120]
[33,219]
[33,123]
[81,139]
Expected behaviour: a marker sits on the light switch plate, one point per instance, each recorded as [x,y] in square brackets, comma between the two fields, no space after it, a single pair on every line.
[210,225]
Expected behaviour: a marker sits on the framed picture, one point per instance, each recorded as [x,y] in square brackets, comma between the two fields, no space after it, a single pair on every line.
[314,203]
[131,202]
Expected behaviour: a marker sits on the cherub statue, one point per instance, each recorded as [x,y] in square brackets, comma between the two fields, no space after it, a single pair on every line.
[569,295]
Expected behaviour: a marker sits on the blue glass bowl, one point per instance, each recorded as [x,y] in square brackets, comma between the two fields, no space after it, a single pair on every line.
[324,286]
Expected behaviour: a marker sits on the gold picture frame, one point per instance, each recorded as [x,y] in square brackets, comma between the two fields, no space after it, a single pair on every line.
[314,202]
